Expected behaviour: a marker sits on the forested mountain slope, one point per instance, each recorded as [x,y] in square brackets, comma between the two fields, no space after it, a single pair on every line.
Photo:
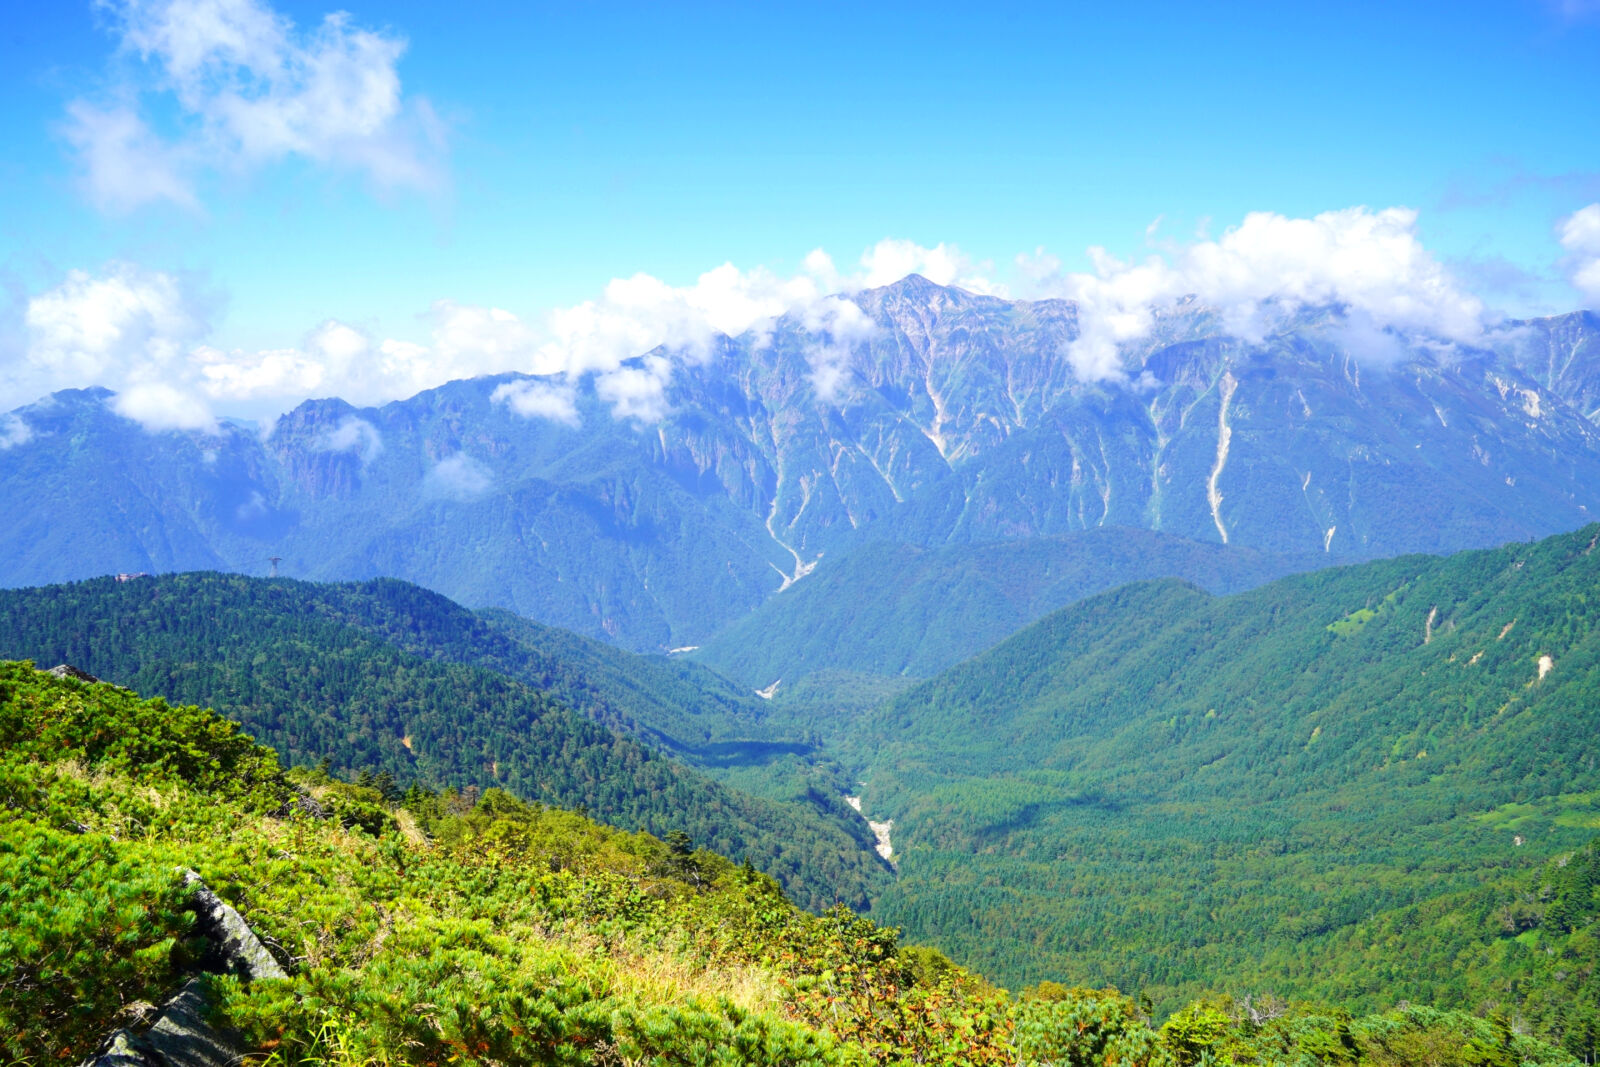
[1157,784]
[434,931]
[955,419]
[690,708]
[890,608]
[384,676]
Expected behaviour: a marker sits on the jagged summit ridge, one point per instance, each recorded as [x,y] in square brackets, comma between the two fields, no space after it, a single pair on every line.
[958,418]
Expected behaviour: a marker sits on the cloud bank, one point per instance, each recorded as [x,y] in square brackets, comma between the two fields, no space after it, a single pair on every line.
[1370,262]
[130,328]
[233,85]
[146,334]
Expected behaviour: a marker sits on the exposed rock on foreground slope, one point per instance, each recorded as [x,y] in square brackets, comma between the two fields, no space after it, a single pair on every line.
[180,1035]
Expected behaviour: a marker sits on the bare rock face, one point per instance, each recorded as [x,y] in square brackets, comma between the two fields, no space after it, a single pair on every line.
[120,1051]
[181,1036]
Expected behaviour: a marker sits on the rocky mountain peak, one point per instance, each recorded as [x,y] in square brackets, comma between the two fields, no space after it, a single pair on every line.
[959,420]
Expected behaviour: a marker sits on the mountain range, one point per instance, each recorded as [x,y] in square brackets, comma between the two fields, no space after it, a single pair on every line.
[954,423]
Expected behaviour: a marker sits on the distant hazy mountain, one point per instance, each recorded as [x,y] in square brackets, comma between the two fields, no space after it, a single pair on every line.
[959,421]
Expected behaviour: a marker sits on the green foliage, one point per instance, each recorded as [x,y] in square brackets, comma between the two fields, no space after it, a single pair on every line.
[83,931]
[508,932]
[722,1036]
[1156,787]
[391,680]
[112,729]
[1191,1034]
[1083,1028]
[689,709]
[1352,623]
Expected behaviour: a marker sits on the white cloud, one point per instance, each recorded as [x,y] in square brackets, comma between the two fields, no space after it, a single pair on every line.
[157,406]
[354,435]
[89,327]
[892,259]
[14,431]
[129,329]
[641,314]
[337,359]
[1038,267]
[124,164]
[1580,236]
[239,376]
[458,477]
[1359,334]
[637,390]
[127,326]
[469,340]
[556,401]
[130,326]
[1369,262]
[839,326]
[249,89]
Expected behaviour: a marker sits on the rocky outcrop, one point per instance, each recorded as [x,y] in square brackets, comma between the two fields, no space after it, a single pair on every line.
[235,949]
[67,670]
[181,1035]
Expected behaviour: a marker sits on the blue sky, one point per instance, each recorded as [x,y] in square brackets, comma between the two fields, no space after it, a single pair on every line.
[518,157]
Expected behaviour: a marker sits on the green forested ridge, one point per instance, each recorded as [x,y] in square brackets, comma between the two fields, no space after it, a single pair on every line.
[435,932]
[692,710]
[1338,785]
[888,608]
[323,672]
